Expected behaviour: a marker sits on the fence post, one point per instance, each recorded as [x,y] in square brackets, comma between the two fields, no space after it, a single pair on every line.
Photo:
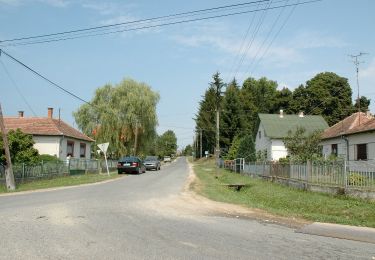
[23,171]
[308,170]
[345,176]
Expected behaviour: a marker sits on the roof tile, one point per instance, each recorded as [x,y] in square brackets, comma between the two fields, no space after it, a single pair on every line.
[44,126]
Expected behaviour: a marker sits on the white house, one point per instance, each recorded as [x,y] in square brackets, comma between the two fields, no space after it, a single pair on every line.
[52,136]
[274,127]
[352,138]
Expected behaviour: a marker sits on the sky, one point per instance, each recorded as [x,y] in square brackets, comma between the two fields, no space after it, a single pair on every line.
[288,45]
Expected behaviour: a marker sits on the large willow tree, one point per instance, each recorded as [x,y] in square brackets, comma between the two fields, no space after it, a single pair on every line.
[123,115]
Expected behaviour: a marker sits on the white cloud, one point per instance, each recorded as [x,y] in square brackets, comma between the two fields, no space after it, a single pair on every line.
[313,40]
[56,3]
[369,72]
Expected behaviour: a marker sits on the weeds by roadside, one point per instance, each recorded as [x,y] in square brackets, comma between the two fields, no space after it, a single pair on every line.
[61,181]
[282,200]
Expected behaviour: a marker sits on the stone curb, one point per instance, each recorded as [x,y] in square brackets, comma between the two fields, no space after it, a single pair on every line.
[363,234]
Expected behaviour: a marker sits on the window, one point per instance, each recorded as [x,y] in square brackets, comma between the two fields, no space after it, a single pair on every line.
[260,134]
[361,151]
[82,150]
[334,149]
[70,148]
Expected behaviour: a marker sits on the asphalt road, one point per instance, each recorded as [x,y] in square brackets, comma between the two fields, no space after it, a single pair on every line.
[140,217]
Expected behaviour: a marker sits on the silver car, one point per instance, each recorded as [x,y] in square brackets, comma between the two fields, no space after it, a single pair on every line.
[152,162]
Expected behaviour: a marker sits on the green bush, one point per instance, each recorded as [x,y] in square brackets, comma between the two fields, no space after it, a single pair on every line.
[48,158]
[355,179]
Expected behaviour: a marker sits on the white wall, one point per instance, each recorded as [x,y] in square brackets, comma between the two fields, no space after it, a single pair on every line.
[47,144]
[76,153]
[362,138]
[262,142]
[278,149]
[327,147]
[56,146]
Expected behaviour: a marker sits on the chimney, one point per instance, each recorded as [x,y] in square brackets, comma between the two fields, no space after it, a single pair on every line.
[301,114]
[20,114]
[368,114]
[281,113]
[50,112]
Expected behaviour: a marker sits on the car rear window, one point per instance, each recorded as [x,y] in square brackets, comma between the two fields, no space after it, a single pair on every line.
[151,158]
[128,159]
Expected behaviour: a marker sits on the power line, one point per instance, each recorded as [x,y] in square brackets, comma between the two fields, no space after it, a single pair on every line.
[157,25]
[46,79]
[17,88]
[241,46]
[250,44]
[274,38]
[132,22]
[266,38]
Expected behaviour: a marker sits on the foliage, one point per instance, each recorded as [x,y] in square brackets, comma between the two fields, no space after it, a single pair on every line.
[188,150]
[303,147]
[48,158]
[356,179]
[20,147]
[246,149]
[326,94]
[364,103]
[118,113]
[231,119]
[281,200]
[206,117]
[233,150]
[167,144]
[257,96]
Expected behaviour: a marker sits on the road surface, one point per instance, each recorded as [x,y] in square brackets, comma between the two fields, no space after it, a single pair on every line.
[149,216]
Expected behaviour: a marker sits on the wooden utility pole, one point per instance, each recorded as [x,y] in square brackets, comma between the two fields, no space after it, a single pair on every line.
[136,137]
[201,142]
[9,177]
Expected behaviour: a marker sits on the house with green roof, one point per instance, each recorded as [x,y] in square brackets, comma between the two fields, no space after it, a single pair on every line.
[274,127]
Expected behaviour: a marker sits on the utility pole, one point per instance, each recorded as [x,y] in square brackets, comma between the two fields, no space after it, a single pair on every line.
[200,132]
[355,60]
[136,137]
[9,177]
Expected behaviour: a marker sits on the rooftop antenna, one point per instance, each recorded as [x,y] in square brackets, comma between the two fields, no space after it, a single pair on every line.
[356,61]
[59,115]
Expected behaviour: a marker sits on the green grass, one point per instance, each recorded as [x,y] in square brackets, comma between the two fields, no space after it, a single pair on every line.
[61,181]
[282,200]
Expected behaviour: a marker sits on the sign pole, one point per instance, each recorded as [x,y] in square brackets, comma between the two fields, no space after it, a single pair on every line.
[103,148]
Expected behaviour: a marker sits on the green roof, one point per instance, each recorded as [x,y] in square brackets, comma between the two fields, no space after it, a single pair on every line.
[278,127]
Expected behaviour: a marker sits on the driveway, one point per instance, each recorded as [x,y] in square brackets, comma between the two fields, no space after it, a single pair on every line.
[152,216]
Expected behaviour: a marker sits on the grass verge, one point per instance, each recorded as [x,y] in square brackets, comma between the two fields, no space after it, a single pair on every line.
[282,200]
[61,181]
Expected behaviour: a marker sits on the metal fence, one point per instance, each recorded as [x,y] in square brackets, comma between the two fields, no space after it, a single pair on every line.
[44,170]
[345,174]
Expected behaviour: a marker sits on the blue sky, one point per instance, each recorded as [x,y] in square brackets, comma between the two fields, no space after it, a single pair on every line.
[178,61]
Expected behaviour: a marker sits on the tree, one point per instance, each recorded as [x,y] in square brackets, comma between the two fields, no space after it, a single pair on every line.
[364,103]
[188,150]
[167,144]
[232,115]
[257,96]
[303,147]
[326,94]
[123,115]
[233,150]
[246,149]
[20,147]
[283,99]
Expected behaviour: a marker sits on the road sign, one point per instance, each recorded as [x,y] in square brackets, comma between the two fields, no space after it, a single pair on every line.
[103,147]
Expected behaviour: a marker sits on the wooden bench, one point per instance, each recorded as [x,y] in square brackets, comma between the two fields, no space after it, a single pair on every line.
[236,186]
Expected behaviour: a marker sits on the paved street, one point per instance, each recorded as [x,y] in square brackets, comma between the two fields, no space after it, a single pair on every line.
[143,217]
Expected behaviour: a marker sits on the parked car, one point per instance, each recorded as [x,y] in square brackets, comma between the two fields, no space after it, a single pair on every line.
[152,162]
[167,159]
[130,164]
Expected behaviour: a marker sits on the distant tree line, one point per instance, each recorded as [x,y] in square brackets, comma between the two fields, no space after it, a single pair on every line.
[326,94]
